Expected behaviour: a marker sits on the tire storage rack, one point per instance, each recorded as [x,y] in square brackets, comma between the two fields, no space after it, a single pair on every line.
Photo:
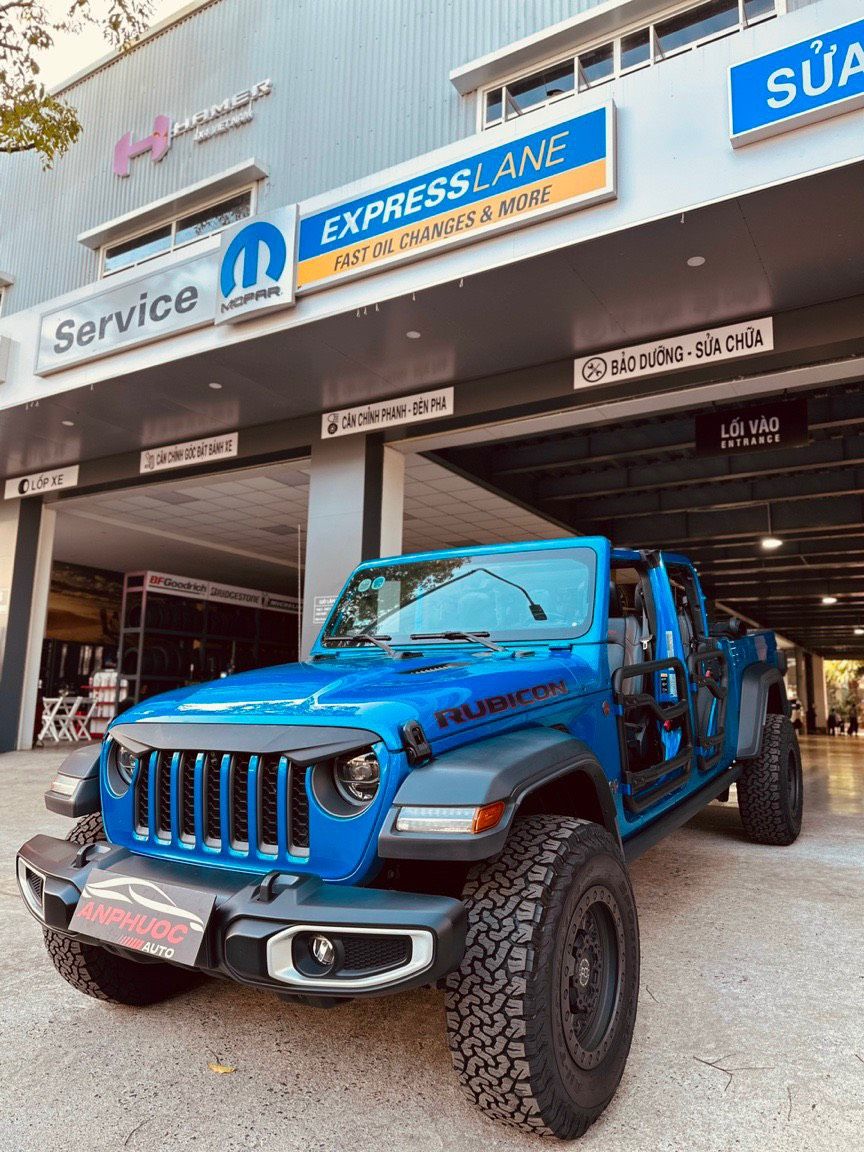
[177,631]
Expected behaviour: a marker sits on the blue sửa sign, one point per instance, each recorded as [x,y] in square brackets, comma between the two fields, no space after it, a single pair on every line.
[816,78]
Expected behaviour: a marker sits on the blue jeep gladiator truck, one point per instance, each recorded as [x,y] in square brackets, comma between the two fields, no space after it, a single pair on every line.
[449,790]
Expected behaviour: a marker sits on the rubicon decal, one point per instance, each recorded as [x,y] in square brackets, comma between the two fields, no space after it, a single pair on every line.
[492,705]
[162,920]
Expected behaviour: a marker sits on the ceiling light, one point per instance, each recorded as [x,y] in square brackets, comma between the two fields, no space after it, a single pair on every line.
[68,423]
[829,599]
[859,631]
[412,334]
[695,261]
[215,385]
[769,543]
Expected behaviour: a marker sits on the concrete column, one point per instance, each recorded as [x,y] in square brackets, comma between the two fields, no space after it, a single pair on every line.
[801,682]
[26,545]
[356,499]
[820,693]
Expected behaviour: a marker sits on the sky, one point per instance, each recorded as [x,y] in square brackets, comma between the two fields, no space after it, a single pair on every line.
[72,53]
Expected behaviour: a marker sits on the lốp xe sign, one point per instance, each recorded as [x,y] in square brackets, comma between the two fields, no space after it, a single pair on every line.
[565,165]
[816,78]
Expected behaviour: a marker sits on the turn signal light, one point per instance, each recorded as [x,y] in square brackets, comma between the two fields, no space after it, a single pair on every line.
[489,816]
[462,821]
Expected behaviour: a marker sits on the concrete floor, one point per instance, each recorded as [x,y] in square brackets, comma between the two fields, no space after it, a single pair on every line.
[750,1033]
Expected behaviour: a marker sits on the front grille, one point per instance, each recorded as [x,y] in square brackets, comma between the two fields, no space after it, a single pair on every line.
[365,953]
[267,809]
[239,814]
[163,793]
[299,812]
[212,798]
[187,796]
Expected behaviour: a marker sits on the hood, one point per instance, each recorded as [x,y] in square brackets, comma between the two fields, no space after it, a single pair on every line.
[449,693]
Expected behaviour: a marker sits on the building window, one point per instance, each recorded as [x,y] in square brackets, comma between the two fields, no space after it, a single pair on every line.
[636,48]
[184,230]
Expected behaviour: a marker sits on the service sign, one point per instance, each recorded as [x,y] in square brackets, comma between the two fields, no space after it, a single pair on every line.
[185,455]
[256,266]
[167,921]
[562,166]
[802,83]
[750,427]
[674,353]
[387,413]
[42,483]
[160,304]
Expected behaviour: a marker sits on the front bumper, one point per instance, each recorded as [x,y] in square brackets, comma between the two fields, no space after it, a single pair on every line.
[258,930]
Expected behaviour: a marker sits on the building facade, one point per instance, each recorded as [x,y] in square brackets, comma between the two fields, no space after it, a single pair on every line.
[342,234]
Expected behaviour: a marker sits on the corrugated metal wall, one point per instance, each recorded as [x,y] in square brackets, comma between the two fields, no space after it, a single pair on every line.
[358,85]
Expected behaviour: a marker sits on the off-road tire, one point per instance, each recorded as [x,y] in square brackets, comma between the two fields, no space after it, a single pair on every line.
[771,787]
[507,1005]
[103,974]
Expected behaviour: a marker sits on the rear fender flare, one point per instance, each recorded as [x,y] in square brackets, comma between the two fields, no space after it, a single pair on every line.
[511,767]
[763,690]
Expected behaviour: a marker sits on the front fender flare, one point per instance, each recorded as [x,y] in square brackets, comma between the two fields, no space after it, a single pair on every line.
[508,767]
[78,776]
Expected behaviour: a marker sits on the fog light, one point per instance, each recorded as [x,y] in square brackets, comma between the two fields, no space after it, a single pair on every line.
[324,951]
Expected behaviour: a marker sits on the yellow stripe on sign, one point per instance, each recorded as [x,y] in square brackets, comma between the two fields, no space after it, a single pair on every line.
[451,226]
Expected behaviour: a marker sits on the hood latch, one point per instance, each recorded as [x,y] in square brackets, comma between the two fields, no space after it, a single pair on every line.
[417,747]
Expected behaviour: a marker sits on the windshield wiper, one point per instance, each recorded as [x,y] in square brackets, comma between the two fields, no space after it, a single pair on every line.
[536,609]
[474,637]
[374,638]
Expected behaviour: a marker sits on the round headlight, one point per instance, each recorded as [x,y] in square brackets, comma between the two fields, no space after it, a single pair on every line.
[126,763]
[357,778]
[122,764]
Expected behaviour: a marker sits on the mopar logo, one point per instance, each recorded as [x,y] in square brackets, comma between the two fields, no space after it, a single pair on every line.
[246,248]
[256,266]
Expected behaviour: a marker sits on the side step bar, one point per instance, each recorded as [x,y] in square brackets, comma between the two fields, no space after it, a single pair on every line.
[669,821]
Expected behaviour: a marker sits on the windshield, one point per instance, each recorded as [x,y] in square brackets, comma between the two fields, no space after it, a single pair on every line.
[508,596]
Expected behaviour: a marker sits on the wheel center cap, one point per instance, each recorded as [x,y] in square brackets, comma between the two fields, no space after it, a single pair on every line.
[584,972]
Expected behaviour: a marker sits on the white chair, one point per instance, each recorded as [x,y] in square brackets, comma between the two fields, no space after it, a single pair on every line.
[81,718]
[50,711]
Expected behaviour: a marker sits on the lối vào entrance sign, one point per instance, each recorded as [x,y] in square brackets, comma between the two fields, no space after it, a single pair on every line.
[752,427]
